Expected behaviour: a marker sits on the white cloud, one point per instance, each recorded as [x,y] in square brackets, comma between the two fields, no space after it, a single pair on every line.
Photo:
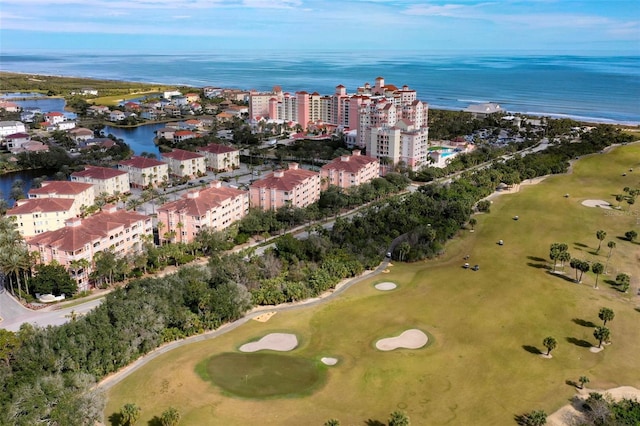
[272,4]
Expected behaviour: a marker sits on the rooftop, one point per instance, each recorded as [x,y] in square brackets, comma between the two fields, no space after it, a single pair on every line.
[95,172]
[141,162]
[61,187]
[198,202]
[41,205]
[181,155]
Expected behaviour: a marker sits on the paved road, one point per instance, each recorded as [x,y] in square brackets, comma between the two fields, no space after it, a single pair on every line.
[13,314]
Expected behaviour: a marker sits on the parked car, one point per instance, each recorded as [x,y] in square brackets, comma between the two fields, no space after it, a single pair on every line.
[476,267]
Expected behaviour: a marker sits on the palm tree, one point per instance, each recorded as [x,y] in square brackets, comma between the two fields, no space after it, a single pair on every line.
[332,422]
[398,418]
[14,262]
[583,381]
[575,264]
[605,315]
[597,268]
[583,266]
[564,257]
[602,334]
[611,245]
[179,225]
[170,417]
[600,235]
[550,343]
[160,227]
[472,222]
[130,414]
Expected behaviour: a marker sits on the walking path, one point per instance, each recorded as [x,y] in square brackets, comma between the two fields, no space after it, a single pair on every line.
[113,379]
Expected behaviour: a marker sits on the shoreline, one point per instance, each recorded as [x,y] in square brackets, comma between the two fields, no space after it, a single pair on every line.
[537,114]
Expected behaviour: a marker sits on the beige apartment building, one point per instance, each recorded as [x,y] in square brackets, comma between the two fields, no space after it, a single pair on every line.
[144,172]
[104,179]
[184,163]
[220,157]
[35,216]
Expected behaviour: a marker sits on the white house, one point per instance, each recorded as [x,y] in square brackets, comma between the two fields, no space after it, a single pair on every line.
[11,127]
[116,115]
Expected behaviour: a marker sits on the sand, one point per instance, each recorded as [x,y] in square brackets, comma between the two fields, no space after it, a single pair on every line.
[410,339]
[386,286]
[329,360]
[597,203]
[564,415]
[265,317]
[281,342]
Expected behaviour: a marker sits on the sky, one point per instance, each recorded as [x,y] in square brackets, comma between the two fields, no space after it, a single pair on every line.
[184,26]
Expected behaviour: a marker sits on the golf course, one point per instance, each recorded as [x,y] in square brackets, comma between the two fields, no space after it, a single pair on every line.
[482,362]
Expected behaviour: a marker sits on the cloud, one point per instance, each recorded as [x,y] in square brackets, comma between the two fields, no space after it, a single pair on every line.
[272,4]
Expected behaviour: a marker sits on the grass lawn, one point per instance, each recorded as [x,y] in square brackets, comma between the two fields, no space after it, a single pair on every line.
[485,327]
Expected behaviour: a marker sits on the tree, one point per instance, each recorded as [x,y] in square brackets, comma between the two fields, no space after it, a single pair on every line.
[583,267]
[597,268]
[472,222]
[583,381]
[611,245]
[53,278]
[534,418]
[555,253]
[623,281]
[550,343]
[600,235]
[170,417]
[606,315]
[332,422]
[130,414]
[575,264]
[399,418]
[631,235]
[601,334]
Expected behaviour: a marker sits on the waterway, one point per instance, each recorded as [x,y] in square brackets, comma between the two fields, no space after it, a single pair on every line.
[140,139]
[26,176]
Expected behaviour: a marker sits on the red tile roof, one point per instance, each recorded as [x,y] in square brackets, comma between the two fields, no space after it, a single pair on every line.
[96,227]
[284,180]
[215,148]
[17,136]
[60,187]
[41,205]
[349,163]
[95,172]
[184,133]
[198,202]
[141,162]
[181,155]
[54,114]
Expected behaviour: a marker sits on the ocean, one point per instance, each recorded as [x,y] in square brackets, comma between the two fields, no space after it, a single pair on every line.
[588,88]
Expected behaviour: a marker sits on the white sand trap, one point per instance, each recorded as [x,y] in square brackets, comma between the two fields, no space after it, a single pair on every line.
[329,361]
[596,349]
[410,339]
[265,317]
[282,342]
[386,286]
[597,203]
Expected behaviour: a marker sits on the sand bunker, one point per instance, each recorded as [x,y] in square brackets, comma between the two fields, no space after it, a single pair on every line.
[565,415]
[386,286]
[282,342]
[410,339]
[265,317]
[597,203]
[329,360]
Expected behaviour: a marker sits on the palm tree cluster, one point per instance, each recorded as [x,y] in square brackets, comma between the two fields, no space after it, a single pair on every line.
[15,259]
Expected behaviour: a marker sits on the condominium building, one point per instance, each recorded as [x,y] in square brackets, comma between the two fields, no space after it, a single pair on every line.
[220,157]
[215,207]
[185,163]
[118,230]
[144,172]
[82,194]
[347,171]
[35,216]
[105,180]
[294,187]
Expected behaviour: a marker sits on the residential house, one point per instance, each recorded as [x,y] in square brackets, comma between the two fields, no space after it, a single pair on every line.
[120,231]
[220,157]
[65,125]
[35,216]
[292,187]
[170,94]
[16,141]
[31,146]
[98,110]
[82,194]
[54,117]
[144,172]
[192,97]
[11,127]
[28,115]
[483,110]
[81,134]
[10,106]
[183,135]
[347,171]
[166,133]
[215,207]
[212,92]
[185,163]
[172,111]
[117,115]
[105,180]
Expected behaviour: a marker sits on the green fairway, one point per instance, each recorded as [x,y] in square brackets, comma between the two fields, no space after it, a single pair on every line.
[482,364]
[264,375]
